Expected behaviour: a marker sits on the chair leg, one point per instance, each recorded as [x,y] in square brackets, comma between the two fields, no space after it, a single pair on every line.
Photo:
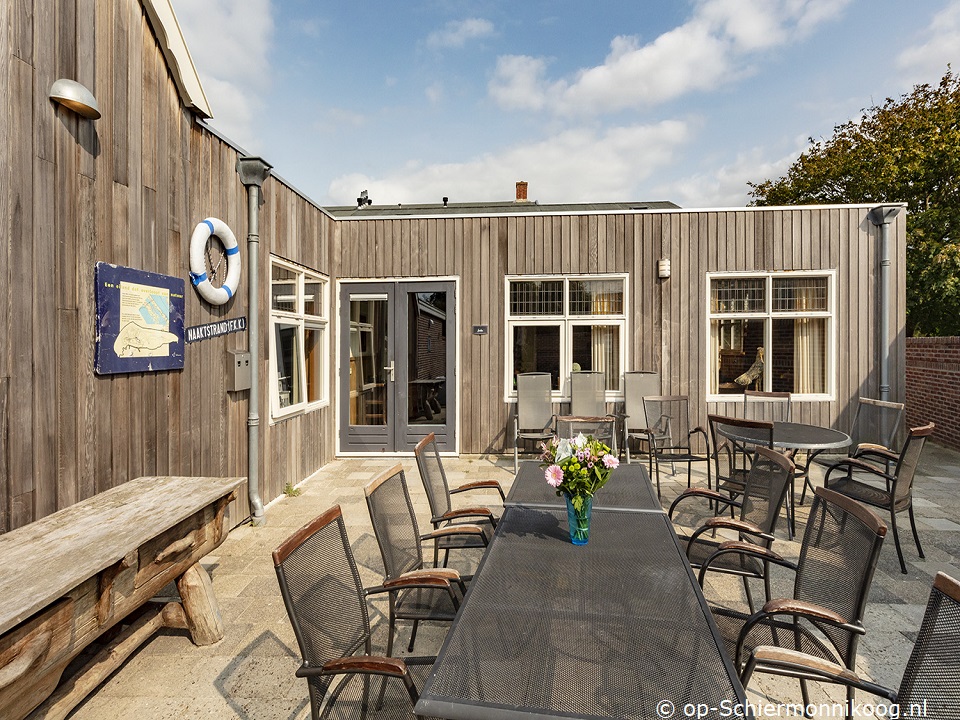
[746,590]
[413,636]
[791,510]
[896,541]
[516,455]
[916,536]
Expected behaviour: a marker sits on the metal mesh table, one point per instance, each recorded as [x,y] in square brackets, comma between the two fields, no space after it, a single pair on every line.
[628,489]
[612,629]
[794,436]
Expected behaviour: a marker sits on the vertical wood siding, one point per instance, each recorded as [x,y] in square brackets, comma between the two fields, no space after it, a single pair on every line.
[667,319]
[126,189]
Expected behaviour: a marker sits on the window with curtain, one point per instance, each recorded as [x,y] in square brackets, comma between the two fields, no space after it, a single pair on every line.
[299,372]
[771,332]
[563,324]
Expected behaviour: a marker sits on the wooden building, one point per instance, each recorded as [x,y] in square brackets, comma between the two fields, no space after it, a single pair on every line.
[377,324]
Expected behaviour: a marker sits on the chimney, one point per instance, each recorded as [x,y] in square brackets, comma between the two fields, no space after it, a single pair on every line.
[521,191]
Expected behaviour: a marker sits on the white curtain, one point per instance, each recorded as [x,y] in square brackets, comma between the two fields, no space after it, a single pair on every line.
[715,355]
[809,347]
[605,353]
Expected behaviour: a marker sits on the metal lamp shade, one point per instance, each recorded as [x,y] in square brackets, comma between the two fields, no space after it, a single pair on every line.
[75,96]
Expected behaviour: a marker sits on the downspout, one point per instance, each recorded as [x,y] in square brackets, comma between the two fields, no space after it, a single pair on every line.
[253,171]
[883,215]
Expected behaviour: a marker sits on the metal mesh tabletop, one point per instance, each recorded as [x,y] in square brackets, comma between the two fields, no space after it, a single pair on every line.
[628,489]
[798,436]
[611,629]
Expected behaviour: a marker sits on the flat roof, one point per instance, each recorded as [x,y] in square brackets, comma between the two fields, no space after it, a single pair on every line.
[352,212]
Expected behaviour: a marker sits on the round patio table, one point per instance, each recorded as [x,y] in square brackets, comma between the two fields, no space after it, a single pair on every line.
[791,436]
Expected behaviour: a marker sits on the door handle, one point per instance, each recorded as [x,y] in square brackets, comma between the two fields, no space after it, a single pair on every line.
[389,369]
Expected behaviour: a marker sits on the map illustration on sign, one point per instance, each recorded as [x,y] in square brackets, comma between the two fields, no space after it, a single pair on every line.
[139,320]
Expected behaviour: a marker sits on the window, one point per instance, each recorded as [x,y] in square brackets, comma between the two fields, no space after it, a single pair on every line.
[298,338]
[771,332]
[563,324]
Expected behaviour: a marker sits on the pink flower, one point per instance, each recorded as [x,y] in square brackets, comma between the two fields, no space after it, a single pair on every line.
[553,475]
[610,462]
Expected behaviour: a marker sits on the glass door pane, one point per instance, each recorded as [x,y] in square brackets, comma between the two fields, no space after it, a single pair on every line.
[368,361]
[426,358]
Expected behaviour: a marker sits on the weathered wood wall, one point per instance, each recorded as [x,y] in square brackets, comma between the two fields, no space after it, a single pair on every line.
[126,189]
[667,318]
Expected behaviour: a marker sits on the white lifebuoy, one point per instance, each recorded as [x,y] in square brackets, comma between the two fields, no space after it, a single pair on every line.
[198,266]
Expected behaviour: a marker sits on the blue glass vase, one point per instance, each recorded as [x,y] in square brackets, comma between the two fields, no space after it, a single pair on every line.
[579,521]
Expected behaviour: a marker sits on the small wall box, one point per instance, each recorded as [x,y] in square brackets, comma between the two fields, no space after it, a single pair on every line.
[239,370]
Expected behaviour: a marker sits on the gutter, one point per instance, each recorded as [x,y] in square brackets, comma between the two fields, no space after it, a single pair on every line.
[882,216]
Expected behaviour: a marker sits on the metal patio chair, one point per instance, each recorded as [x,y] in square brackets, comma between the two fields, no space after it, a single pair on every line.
[636,386]
[534,418]
[415,593]
[764,405]
[824,616]
[930,686]
[732,459]
[759,505]
[325,601]
[670,437]
[875,423]
[897,495]
[588,409]
[442,513]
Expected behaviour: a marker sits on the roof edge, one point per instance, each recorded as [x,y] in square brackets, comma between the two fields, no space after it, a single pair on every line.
[167,29]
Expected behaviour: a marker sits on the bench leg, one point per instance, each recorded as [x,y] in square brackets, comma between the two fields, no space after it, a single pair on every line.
[200,606]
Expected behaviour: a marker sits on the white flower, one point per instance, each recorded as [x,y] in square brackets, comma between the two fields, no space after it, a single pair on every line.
[564,450]
[580,441]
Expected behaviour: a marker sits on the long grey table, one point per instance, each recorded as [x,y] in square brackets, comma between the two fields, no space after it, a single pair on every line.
[617,628]
[627,489]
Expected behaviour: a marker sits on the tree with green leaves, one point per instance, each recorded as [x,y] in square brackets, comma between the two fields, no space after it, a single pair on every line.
[906,150]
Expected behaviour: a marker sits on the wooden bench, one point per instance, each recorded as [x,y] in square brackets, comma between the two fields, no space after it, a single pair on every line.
[73,575]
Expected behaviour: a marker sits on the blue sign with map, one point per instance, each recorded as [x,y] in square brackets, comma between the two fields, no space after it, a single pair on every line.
[139,320]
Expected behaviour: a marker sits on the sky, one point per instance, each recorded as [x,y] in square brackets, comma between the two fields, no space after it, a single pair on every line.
[633,100]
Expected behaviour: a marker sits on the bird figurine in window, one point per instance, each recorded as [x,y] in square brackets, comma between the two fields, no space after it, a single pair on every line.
[753,373]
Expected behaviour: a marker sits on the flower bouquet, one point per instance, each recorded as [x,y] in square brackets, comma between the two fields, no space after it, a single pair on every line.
[577,468]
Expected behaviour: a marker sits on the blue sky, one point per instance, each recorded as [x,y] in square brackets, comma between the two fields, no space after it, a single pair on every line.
[587,101]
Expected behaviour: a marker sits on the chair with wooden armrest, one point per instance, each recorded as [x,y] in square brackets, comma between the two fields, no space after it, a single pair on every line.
[931,679]
[759,506]
[442,513]
[325,602]
[832,578]
[415,592]
[897,495]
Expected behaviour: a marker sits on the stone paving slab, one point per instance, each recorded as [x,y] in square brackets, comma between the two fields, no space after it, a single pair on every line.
[250,673]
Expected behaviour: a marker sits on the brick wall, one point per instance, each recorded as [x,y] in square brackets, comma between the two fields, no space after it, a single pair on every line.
[933,386]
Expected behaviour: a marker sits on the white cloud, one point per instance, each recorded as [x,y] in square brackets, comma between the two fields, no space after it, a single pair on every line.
[434,92]
[229,42]
[715,46]
[577,165]
[926,61]
[457,33]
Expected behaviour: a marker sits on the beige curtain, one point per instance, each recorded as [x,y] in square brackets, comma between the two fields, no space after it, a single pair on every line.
[715,354]
[605,353]
[809,347]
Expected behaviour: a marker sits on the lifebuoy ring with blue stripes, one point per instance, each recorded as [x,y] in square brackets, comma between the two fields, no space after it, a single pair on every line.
[198,266]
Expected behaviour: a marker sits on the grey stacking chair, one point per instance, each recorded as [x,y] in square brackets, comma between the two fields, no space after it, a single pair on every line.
[897,473]
[759,509]
[325,601]
[534,419]
[416,593]
[588,408]
[636,386]
[876,423]
[442,513]
[824,615]
[930,687]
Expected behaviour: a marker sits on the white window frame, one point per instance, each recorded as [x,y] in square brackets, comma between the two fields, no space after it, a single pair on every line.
[768,316]
[565,321]
[302,322]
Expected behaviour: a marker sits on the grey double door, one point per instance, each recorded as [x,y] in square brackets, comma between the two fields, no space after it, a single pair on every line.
[398,364]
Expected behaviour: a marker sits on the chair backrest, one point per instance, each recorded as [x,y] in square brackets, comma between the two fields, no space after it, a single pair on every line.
[909,460]
[587,393]
[668,417]
[764,405]
[932,676]
[636,386]
[323,594]
[732,453]
[432,475]
[838,556]
[394,522]
[876,421]
[534,405]
[766,488]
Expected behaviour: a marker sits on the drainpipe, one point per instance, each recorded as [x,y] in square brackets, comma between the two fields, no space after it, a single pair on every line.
[253,171]
[883,215]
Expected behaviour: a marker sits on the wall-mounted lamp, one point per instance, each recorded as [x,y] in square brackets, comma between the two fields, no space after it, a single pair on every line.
[75,96]
[663,268]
